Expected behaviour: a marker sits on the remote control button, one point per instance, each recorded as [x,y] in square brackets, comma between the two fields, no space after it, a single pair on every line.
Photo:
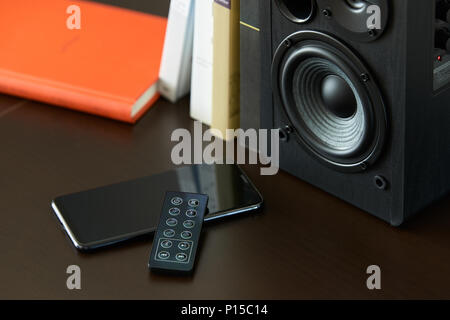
[191,213]
[186,234]
[176,201]
[184,245]
[181,257]
[189,224]
[166,244]
[193,203]
[171,222]
[163,255]
[174,211]
[169,233]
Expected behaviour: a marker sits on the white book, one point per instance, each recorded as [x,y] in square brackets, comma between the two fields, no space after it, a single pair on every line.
[202,62]
[176,62]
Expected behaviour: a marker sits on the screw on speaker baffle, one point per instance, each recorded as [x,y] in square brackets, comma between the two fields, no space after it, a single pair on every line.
[327,13]
[365,77]
[288,129]
[284,133]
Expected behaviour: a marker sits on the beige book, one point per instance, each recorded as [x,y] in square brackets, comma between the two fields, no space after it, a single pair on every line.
[202,62]
[226,76]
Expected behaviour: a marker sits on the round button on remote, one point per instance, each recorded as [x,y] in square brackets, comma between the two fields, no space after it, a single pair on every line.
[166,244]
[191,213]
[189,224]
[186,234]
[181,256]
[169,233]
[184,245]
[193,203]
[176,201]
[171,222]
[163,255]
[174,211]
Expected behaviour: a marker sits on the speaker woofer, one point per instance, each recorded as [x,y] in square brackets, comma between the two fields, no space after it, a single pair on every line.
[334,106]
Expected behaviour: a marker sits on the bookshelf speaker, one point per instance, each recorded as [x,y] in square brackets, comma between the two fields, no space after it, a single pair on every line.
[359,91]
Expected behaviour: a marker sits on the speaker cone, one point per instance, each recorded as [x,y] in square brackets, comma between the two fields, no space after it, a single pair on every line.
[331,101]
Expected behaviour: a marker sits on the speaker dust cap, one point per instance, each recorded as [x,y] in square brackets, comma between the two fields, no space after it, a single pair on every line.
[330,100]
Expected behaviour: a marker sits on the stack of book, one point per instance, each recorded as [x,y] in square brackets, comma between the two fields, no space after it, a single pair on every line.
[113,62]
[203,41]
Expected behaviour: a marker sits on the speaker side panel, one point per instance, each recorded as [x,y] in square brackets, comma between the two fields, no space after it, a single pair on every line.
[427,152]
[386,60]
[267,111]
[250,28]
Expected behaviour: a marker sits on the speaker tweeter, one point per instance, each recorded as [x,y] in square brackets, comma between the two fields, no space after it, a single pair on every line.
[353,19]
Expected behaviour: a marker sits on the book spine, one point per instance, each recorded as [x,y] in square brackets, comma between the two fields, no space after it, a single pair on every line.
[175,70]
[202,62]
[226,66]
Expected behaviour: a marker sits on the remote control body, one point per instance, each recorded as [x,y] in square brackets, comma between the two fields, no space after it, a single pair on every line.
[178,233]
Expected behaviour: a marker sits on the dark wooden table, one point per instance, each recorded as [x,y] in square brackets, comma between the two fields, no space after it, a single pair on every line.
[303,244]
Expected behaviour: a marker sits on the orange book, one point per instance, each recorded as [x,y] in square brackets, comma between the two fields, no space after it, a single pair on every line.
[109,67]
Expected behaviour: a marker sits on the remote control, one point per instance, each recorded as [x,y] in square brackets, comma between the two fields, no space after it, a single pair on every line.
[176,238]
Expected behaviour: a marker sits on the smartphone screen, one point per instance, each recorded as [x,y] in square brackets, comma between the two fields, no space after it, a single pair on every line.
[118,212]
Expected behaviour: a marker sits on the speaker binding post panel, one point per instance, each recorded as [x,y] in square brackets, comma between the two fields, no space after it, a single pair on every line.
[363,107]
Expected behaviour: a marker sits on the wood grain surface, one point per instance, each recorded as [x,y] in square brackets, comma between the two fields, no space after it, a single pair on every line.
[304,244]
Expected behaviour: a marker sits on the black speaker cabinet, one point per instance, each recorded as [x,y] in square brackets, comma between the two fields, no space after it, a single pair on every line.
[360,92]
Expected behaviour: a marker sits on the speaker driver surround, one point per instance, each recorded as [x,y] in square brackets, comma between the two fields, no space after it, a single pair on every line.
[337,113]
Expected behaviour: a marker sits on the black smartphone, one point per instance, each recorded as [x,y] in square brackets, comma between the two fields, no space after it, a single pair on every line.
[122,211]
